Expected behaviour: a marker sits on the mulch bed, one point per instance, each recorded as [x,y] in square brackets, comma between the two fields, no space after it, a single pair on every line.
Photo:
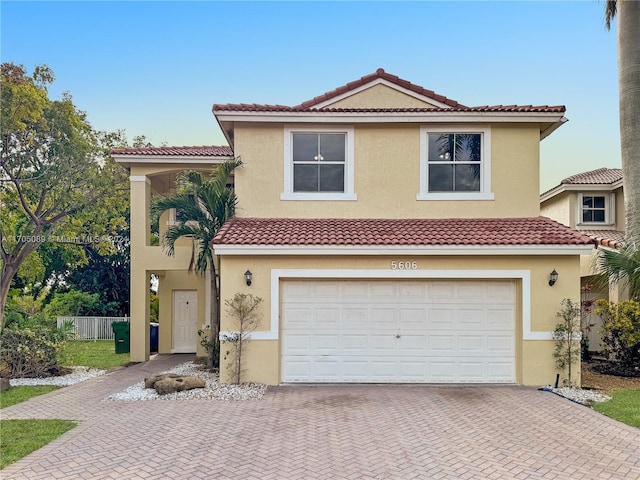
[607,377]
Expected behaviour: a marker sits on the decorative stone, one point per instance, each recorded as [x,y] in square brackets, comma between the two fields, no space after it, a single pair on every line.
[150,382]
[178,384]
[4,384]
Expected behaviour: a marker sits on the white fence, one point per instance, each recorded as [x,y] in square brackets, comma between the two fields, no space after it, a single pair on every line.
[92,328]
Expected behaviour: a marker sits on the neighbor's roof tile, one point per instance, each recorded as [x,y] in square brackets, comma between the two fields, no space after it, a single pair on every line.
[332,231]
[197,151]
[599,176]
[607,238]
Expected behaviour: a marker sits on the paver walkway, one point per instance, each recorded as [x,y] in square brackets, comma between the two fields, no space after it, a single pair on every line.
[326,432]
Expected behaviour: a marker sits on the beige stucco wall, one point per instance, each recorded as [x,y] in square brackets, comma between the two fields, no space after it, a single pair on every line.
[387,176]
[169,282]
[534,365]
[559,208]
[380,96]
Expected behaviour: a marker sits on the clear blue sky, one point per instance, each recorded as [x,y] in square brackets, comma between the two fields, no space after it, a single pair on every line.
[156,68]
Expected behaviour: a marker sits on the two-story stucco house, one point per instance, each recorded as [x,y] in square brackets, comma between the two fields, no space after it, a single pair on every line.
[394,235]
[593,203]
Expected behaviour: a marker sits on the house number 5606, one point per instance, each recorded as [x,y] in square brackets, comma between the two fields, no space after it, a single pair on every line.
[395,265]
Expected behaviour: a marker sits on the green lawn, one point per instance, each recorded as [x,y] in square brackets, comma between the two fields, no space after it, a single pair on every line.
[21,437]
[624,407]
[22,393]
[98,354]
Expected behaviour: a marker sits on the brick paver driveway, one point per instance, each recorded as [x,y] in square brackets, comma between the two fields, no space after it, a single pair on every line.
[327,432]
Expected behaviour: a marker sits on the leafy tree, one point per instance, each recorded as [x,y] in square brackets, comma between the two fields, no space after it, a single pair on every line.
[628,15]
[72,303]
[58,183]
[567,338]
[202,206]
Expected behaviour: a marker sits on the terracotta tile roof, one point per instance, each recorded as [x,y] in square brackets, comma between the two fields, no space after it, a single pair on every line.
[198,151]
[379,73]
[253,107]
[403,232]
[451,105]
[607,238]
[599,176]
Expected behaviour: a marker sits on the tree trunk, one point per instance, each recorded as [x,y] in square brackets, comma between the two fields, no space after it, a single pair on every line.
[628,14]
[215,309]
[6,275]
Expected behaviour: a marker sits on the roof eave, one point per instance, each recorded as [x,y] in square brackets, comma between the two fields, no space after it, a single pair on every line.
[556,119]
[580,187]
[561,249]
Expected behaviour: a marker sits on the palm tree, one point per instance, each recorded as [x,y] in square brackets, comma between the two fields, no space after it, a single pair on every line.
[628,15]
[202,206]
[622,266]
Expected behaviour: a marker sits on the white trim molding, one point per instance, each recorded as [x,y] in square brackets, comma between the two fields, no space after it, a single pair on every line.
[349,169]
[485,192]
[281,274]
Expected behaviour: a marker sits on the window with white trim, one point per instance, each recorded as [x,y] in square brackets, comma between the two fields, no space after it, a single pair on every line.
[595,208]
[318,164]
[455,163]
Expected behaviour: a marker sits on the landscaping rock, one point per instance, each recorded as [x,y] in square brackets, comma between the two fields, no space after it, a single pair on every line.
[178,384]
[4,384]
[150,382]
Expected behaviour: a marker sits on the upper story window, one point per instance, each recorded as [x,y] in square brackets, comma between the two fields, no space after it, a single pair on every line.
[455,163]
[318,164]
[596,208]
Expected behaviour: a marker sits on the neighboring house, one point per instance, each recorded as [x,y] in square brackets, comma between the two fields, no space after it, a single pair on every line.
[394,235]
[593,203]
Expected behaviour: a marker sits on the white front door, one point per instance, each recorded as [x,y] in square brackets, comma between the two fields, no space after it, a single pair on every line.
[418,331]
[184,321]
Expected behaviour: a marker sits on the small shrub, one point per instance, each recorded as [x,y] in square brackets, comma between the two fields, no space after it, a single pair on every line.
[243,308]
[567,338]
[30,352]
[621,331]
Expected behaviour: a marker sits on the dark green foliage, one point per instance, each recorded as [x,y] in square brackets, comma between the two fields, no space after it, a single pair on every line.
[31,352]
[621,331]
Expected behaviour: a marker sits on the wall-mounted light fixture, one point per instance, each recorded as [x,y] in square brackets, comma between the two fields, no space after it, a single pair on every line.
[248,277]
[553,278]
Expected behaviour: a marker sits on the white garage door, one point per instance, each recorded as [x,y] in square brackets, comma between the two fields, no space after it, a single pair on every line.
[425,331]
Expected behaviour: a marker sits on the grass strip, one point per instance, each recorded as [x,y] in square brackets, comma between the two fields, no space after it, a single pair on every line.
[97,354]
[624,407]
[18,438]
[22,393]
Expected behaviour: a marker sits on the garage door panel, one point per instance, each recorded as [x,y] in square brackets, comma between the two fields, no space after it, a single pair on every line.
[383,344]
[500,318]
[472,344]
[384,319]
[500,344]
[425,331]
[442,344]
[353,344]
[412,318]
[440,318]
[473,317]
[381,290]
[356,317]
[413,344]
